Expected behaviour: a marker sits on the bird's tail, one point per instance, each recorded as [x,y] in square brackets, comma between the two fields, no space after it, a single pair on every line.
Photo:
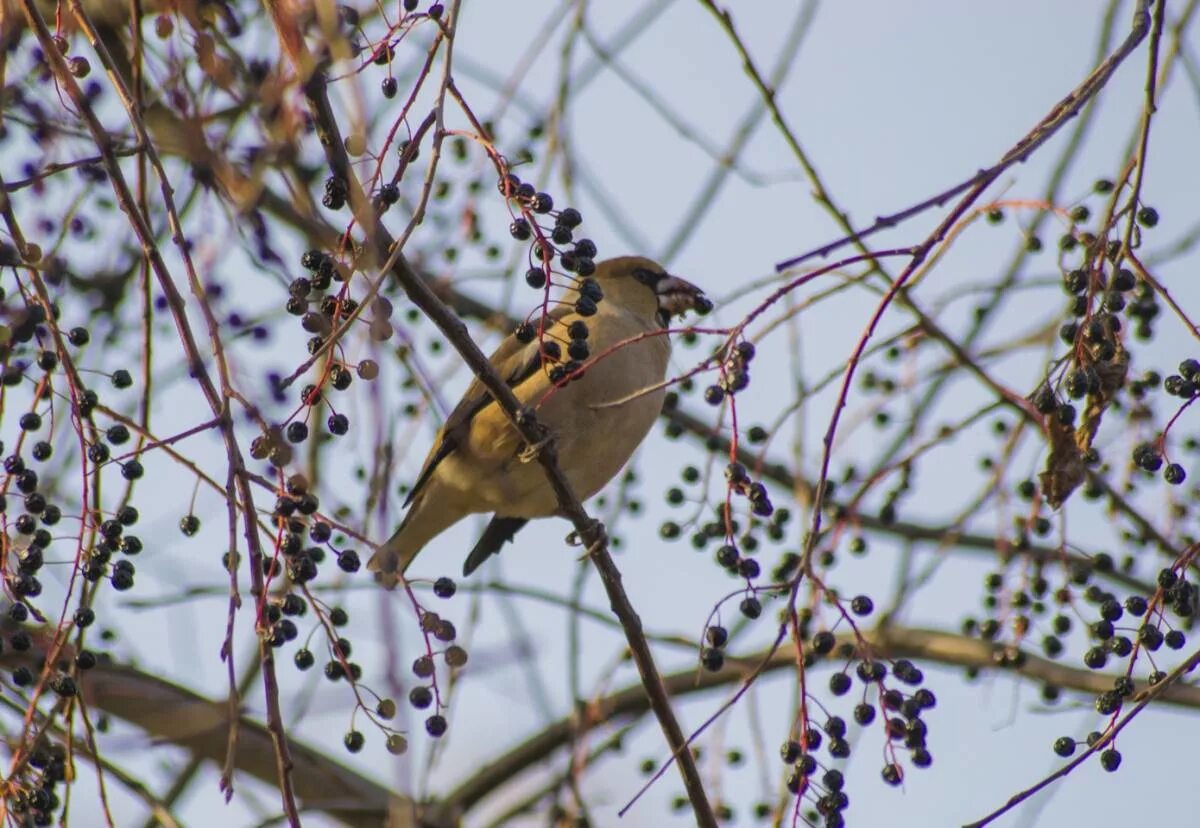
[419,526]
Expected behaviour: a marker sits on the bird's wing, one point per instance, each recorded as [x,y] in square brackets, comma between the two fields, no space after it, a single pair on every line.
[516,362]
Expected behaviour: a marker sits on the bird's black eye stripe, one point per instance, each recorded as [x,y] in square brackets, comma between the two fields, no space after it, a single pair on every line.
[646,277]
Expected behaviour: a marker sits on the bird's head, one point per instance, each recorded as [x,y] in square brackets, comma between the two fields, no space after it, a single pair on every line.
[641,286]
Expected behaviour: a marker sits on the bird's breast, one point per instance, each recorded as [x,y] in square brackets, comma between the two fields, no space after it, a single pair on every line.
[597,421]
[601,418]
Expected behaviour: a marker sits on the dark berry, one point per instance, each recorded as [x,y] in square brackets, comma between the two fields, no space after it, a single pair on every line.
[338,424]
[525,332]
[1110,760]
[1064,746]
[712,659]
[435,725]
[839,684]
[716,635]
[748,568]
[535,277]
[520,230]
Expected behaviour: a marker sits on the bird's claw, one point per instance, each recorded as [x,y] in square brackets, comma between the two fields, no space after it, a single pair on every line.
[599,537]
[531,452]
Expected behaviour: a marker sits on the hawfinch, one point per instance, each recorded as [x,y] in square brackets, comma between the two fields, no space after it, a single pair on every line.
[591,376]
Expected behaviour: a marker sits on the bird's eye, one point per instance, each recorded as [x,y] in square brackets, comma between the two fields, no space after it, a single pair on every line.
[646,277]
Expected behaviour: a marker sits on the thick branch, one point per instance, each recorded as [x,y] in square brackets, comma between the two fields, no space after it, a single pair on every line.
[176,715]
[929,646]
[173,714]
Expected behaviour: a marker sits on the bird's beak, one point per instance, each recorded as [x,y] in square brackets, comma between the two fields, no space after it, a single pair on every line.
[677,296]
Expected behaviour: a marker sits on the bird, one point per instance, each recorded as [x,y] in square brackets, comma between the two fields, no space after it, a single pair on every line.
[598,402]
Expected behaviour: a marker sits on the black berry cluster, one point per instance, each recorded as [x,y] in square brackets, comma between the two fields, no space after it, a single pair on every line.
[735,373]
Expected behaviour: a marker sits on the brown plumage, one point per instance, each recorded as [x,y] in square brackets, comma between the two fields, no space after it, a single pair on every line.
[479,463]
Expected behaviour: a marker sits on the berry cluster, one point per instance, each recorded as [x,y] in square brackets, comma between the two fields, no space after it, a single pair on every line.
[1126,629]
[320,313]
[548,240]
[336,192]
[29,326]
[1095,372]
[281,612]
[36,798]
[41,356]
[1175,593]
[903,725]
[576,264]
[740,483]
[306,542]
[765,522]
[735,373]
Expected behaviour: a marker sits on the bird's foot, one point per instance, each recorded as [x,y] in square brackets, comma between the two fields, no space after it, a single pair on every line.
[594,536]
[531,452]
